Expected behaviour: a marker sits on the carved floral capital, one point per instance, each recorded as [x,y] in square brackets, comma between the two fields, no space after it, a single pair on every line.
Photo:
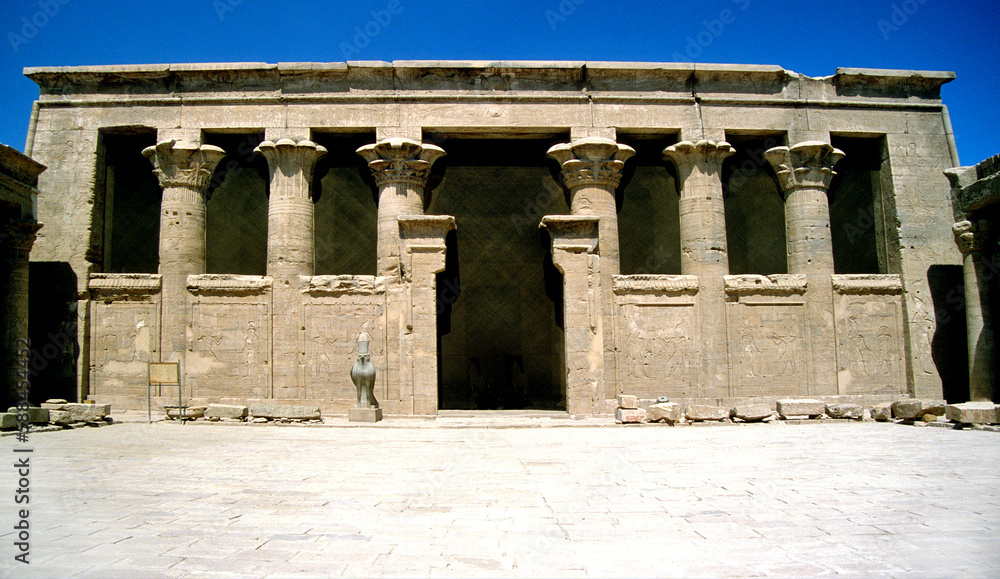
[183,164]
[400,160]
[591,161]
[289,157]
[971,235]
[806,164]
[17,238]
[705,156]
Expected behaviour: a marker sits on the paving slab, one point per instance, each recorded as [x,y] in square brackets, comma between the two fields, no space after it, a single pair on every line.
[507,495]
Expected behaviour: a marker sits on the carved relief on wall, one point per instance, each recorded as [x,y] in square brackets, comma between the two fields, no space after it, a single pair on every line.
[230,350]
[767,348]
[657,353]
[124,340]
[331,336]
[870,349]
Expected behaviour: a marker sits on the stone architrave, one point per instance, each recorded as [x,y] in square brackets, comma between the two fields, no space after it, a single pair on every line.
[972,238]
[400,168]
[704,249]
[702,209]
[804,172]
[15,246]
[184,171]
[290,222]
[576,254]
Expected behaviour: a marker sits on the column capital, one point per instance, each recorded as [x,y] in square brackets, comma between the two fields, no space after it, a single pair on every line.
[591,161]
[706,156]
[398,160]
[971,236]
[183,164]
[17,238]
[805,164]
[289,155]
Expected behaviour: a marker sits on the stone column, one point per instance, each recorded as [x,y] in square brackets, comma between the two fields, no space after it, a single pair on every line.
[184,171]
[423,256]
[16,240]
[804,172]
[972,238]
[290,225]
[400,167]
[576,254]
[704,250]
[592,169]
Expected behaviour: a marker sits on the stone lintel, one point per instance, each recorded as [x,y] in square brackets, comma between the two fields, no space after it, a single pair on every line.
[416,230]
[572,230]
[867,283]
[647,283]
[777,284]
[342,285]
[118,283]
[214,283]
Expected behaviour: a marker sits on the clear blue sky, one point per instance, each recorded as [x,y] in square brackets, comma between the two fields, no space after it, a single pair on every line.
[809,38]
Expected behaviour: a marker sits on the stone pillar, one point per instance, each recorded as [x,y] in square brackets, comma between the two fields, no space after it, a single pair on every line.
[184,171]
[804,172]
[702,209]
[592,169]
[290,225]
[576,253]
[423,257]
[972,238]
[400,167]
[16,240]
[704,250]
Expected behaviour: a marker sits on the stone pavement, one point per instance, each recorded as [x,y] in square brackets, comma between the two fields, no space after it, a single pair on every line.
[417,498]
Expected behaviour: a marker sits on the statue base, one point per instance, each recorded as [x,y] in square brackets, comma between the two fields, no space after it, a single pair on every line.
[364,414]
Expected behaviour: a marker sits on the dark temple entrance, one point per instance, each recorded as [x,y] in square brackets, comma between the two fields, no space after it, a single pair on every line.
[500,343]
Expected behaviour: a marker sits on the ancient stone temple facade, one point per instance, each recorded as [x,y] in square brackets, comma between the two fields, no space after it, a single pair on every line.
[511,235]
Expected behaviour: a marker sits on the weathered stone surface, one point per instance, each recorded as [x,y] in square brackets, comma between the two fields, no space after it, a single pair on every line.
[259,420]
[699,412]
[935,407]
[628,402]
[7,421]
[906,409]
[60,417]
[852,411]
[88,412]
[882,412]
[802,407]
[35,415]
[363,415]
[225,411]
[53,406]
[278,411]
[972,413]
[752,412]
[666,411]
[190,413]
[630,415]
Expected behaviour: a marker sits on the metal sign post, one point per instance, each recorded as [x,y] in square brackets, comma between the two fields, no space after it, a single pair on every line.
[161,373]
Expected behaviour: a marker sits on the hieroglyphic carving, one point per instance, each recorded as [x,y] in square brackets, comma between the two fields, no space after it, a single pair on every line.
[331,334]
[231,350]
[124,338]
[658,354]
[768,350]
[869,344]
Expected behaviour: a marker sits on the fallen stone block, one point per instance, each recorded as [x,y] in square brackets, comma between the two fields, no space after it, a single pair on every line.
[882,412]
[190,413]
[803,407]
[700,412]
[752,412]
[35,415]
[60,417]
[88,412]
[54,404]
[277,411]
[218,411]
[630,415]
[906,409]
[666,411]
[849,411]
[7,421]
[628,402]
[935,407]
[972,413]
